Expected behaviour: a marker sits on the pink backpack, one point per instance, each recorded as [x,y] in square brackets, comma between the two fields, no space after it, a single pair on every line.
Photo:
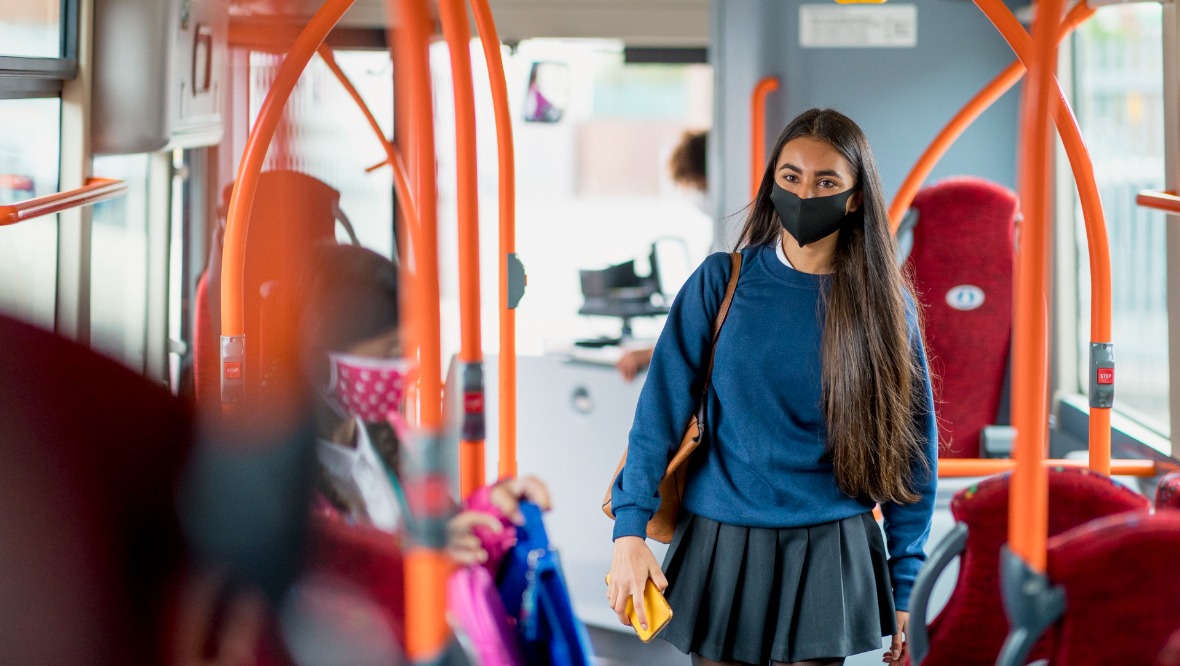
[474,603]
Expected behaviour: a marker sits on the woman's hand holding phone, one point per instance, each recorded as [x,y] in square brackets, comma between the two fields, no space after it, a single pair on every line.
[631,566]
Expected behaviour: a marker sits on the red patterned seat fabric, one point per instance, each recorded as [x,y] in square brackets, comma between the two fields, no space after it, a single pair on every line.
[1167,493]
[1122,591]
[962,263]
[972,626]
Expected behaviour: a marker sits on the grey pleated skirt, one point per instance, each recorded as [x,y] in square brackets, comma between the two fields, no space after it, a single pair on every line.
[753,594]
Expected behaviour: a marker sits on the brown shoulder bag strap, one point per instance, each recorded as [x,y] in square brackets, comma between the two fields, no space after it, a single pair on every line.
[735,272]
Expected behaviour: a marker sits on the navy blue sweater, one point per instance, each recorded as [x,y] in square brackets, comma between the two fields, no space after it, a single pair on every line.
[765,460]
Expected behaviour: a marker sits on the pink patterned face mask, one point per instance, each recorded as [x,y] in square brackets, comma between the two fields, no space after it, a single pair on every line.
[367,388]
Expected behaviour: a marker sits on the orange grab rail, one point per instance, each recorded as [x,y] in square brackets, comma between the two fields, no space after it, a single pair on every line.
[507,174]
[1098,247]
[94,191]
[1168,202]
[956,467]
[426,562]
[982,101]
[758,131]
[471,446]
[246,184]
[1029,507]
[401,183]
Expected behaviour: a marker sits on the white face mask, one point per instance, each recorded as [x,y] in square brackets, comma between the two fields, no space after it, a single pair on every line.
[367,388]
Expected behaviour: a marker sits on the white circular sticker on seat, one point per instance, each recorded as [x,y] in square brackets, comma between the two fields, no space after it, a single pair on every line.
[964,297]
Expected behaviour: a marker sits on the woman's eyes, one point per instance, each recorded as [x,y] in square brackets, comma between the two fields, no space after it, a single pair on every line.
[825,183]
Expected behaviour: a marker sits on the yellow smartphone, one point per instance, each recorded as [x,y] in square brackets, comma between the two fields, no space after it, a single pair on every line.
[659,613]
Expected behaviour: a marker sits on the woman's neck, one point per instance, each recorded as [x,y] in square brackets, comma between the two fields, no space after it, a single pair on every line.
[815,258]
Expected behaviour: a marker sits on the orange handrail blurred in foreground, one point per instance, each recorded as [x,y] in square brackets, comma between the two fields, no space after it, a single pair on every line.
[762,90]
[982,101]
[94,191]
[471,445]
[401,182]
[959,467]
[507,174]
[246,185]
[424,473]
[1092,215]
[1028,516]
[1168,202]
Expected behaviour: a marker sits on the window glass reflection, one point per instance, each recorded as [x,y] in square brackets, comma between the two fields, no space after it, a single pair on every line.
[31,28]
[118,263]
[30,141]
[1120,106]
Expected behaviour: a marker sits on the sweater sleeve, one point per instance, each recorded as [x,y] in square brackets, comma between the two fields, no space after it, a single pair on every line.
[907,526]
[669,393]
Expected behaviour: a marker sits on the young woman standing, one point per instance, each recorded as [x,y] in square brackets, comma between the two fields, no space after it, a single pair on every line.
[819,406]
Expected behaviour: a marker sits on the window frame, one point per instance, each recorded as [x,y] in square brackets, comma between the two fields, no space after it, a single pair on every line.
[24,77]
[1071,377]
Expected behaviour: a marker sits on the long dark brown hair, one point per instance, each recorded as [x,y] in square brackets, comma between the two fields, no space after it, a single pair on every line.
[872,382]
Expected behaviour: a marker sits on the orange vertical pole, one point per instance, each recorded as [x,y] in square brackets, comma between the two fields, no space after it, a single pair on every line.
[758,131]
[1029,506]
[233,338]
[507,172]
[471,444]
[426,562]
[967,115]
[1098,246]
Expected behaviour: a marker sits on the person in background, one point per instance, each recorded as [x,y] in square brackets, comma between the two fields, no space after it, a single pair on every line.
[354,360]
[819,407]
[687,166]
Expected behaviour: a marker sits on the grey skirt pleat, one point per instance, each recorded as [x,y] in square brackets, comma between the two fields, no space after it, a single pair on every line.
[754,595]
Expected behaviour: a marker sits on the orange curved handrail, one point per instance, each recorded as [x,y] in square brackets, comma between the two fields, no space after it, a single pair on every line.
[507,174]
[246,184]
[471,447]
[1028,522]
[94,191]
[1168,202]
[401,183]
[1092,214]
[426,562]
[960,467]
[762,90]
[982,101]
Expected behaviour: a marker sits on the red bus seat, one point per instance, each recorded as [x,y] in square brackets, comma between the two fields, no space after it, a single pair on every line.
[1121,587]
[1167,493]
[962,266]
[972,626]
[292,212]
[93,455]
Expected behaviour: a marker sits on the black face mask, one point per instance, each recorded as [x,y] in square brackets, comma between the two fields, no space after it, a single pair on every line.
[809,220]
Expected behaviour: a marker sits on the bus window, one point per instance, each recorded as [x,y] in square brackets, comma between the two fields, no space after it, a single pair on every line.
[31,28]
[29,148]
[328,138]
[1118,72]
[119,262]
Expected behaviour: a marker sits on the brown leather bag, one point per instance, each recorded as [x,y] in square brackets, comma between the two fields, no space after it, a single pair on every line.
[663,523]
